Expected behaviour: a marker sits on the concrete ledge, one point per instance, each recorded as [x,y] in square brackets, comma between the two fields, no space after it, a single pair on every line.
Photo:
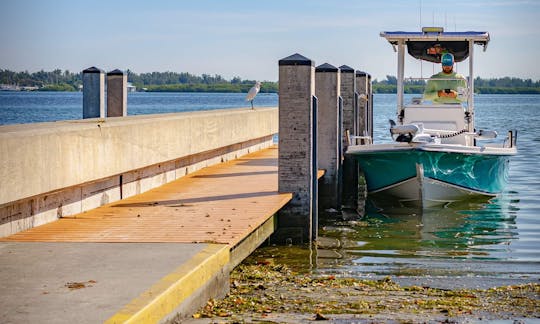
[243,249]
[171,293]
[44,157]
[236,132]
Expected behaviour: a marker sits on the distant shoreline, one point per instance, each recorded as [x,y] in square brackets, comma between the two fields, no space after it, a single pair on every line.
[201,89]
[59,80]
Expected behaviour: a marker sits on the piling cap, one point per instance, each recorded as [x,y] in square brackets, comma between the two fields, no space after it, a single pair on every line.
[361,74]
[326,68]
[296,59]
[93,69]
[346,69]
[116,72]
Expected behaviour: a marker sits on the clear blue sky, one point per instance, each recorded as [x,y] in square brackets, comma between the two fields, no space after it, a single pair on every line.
[247,38]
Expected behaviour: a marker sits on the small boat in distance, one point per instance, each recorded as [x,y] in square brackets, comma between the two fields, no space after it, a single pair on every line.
[437,155]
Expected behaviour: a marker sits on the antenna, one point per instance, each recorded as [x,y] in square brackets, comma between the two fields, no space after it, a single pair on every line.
[420,14]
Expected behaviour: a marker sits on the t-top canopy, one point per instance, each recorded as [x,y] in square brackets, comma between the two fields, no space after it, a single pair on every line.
[431,43]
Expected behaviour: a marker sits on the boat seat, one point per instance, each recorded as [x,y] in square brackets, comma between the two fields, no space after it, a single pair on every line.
[450,117]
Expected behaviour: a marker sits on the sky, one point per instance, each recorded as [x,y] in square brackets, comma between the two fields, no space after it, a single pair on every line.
[248,38]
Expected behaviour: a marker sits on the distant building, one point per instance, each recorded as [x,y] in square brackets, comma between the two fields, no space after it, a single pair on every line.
[131,87]
[9,87]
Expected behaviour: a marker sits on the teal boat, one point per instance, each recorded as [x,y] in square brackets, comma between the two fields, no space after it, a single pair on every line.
[438,156]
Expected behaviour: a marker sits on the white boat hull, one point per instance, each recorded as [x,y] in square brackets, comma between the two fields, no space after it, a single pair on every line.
[426,192]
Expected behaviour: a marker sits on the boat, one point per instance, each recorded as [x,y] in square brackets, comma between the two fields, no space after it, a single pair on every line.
[437,156]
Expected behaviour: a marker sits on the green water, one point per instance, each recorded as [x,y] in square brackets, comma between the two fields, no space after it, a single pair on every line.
[471,244]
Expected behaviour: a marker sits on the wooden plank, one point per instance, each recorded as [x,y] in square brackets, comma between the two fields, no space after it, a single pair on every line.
[218,204]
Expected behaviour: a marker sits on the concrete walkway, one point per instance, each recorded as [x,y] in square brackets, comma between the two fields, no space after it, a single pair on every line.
[145,258]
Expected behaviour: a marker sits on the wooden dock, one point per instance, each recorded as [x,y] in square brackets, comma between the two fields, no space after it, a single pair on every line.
[202,225]
[220,204]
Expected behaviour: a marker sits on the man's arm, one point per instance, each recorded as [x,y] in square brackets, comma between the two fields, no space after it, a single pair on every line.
[431,91]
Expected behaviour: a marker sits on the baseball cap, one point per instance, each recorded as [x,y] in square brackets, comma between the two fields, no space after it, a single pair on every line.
[447,59]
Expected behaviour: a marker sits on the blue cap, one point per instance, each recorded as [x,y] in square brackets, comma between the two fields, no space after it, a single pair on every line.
[447,59]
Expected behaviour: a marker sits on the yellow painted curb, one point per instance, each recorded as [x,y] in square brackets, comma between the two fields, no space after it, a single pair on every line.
[168,293]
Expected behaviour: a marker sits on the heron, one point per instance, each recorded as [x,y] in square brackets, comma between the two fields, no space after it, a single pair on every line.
[253,92]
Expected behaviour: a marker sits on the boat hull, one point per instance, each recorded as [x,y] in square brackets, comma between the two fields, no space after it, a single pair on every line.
[432,176]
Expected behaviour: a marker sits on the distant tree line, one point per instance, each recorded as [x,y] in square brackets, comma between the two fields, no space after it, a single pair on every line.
[56,80]
[59,80]
[504,85]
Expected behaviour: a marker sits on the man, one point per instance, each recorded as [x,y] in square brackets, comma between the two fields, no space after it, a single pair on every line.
[441,90]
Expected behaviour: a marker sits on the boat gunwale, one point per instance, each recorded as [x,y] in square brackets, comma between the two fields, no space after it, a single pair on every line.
[430,147]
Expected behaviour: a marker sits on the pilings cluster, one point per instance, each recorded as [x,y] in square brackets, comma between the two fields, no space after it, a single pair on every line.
[94,93]
[322,110]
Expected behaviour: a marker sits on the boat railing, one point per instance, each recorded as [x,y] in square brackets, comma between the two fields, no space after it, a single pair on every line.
[427,79]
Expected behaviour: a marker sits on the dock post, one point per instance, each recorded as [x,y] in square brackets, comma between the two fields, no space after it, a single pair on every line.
[365,128]
[348,88]
[93,93]
[369,121]
[116,94]
[327,90]
[362,90]
[350,168]
[297,142]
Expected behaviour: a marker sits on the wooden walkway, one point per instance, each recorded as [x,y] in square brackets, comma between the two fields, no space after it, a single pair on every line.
[218,204]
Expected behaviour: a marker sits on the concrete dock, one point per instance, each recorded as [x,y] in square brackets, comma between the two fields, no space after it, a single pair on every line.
[141,218]
[146,258]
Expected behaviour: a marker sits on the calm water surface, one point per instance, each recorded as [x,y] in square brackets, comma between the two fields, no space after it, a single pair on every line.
[475,243]
[33,107]
[471,244]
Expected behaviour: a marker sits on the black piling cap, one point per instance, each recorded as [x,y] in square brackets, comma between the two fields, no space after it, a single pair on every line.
[346,69]
[116,72]
[93,69]
[296,59]
[362,73]
[326,68]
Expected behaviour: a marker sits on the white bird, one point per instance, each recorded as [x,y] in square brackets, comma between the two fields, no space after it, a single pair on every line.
[253,92]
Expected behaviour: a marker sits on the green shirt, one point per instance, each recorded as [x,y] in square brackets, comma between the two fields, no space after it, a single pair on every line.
[434,85]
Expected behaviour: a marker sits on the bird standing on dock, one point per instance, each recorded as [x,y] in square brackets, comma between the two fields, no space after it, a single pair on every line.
[253,92]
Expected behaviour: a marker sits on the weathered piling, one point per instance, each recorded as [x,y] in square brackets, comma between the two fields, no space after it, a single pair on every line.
[362,90]
[327,90]
[350,120]
[116,93]
[93,93]
[348,89]
[369,121]
[297,167]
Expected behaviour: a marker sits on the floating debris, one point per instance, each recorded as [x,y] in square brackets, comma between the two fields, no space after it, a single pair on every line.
[266,290]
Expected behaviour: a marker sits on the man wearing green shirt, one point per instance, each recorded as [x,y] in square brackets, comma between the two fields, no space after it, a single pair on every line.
[441,90]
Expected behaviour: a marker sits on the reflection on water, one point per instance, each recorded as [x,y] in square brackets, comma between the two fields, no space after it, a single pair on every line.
[460,240]
[410,241]
[466,230]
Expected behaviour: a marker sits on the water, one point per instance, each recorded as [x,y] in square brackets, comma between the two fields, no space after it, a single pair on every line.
[33,107]
[470,244]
